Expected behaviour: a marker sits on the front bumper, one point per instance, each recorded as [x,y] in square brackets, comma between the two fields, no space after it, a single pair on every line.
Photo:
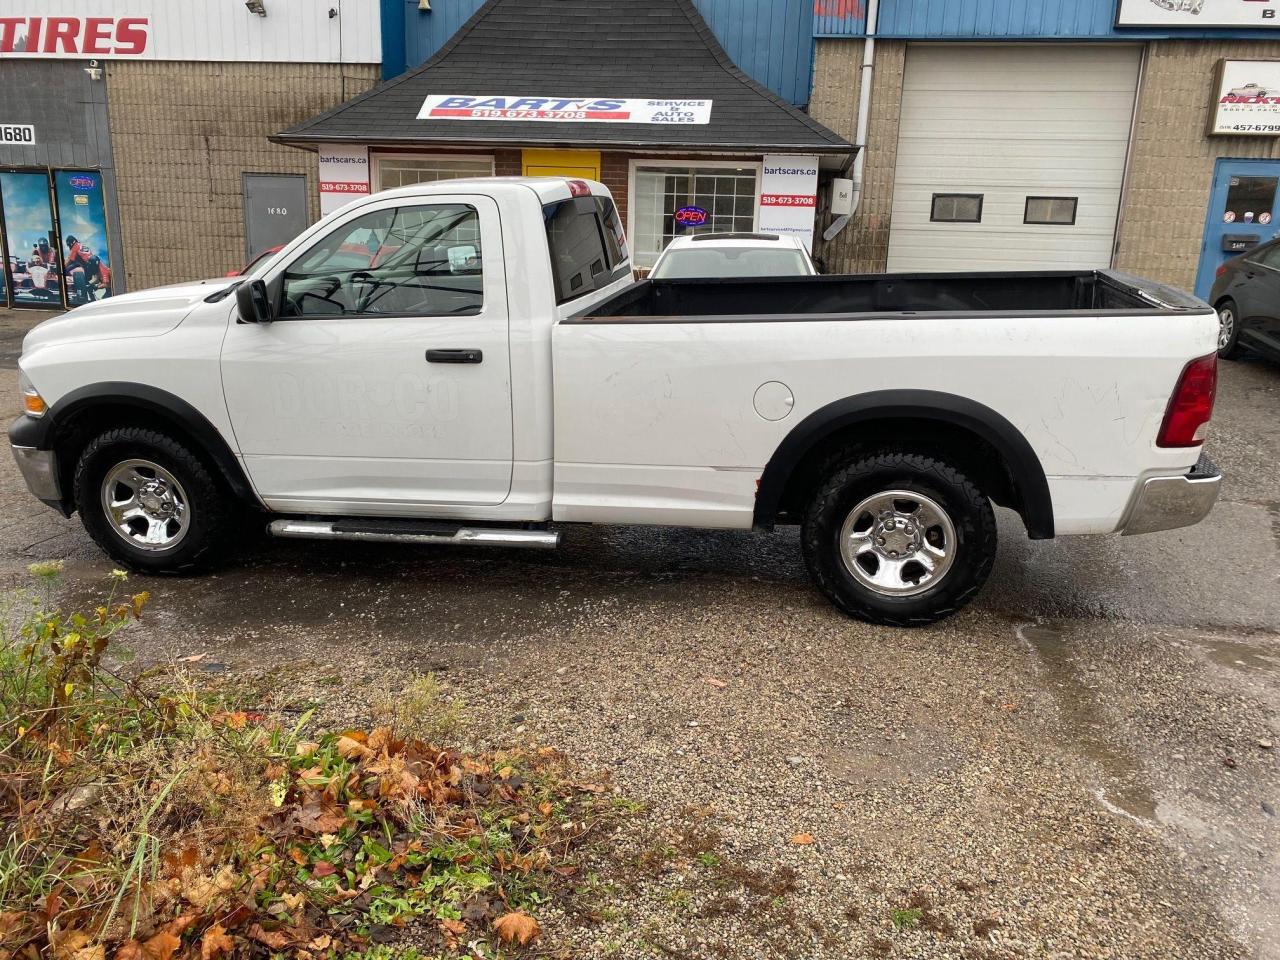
[1165,503]
[40,471]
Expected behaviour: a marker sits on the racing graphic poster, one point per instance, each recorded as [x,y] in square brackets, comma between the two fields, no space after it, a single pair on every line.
[33,263]
[82,216]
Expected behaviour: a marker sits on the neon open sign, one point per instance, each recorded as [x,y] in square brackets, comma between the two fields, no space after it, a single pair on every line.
[691,216]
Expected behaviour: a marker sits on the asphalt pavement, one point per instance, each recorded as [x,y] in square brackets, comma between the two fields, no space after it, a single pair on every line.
[1079,765]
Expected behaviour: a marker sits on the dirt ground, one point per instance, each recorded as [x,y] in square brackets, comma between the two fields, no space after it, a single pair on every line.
[1079,765]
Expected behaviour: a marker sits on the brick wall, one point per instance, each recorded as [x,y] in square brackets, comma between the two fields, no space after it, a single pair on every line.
[507,163]
[1171,160]
[182,135]
[863,246]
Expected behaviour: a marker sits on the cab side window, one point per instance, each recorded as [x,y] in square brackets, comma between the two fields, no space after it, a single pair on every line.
[415,261]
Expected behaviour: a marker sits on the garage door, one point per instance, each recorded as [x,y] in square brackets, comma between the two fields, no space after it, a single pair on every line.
[1011,157]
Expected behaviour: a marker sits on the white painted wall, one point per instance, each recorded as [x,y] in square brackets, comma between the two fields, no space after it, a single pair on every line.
[293,31]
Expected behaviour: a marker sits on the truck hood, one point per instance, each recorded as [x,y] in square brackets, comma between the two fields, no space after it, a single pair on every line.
[147,313]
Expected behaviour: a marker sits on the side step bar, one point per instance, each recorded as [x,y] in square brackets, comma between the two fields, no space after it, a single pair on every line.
[411,531]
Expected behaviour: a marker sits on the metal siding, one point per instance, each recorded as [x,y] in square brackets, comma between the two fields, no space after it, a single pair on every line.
[770,40]
[990,19]
[294,31]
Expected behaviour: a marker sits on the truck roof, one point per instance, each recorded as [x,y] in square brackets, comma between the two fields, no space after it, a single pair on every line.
[548,189]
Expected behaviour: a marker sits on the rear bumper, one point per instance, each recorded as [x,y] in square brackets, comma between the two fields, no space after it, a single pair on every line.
[1165,503]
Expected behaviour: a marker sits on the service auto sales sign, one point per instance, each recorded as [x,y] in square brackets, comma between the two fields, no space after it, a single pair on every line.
[564,109]
[1246,99]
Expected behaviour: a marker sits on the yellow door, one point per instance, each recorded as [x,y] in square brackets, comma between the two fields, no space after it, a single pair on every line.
[562,163]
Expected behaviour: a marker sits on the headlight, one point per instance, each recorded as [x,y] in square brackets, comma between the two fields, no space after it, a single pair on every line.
[33,404]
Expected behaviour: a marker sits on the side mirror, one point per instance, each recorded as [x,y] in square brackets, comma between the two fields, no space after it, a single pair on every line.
[254,302]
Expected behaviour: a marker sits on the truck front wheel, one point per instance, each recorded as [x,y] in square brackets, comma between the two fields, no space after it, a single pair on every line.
[151,503]
[900,539]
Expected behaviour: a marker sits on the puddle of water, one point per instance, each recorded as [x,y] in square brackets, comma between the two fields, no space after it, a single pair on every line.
[1239,655]
[1084,724]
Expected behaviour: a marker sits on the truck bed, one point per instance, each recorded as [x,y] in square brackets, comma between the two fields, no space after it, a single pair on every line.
[808,298]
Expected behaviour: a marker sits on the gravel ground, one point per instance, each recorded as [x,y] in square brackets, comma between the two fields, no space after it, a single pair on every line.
[1076,766]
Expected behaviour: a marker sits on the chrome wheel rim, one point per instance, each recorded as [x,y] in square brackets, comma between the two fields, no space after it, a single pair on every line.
[145,505]
[1226,327]
[898,543]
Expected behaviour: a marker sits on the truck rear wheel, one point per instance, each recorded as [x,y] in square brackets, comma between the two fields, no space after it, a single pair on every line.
[900,539]
[151,503]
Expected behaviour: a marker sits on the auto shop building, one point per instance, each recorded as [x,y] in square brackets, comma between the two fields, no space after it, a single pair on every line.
[1055,134]
[134,143]
[640,96]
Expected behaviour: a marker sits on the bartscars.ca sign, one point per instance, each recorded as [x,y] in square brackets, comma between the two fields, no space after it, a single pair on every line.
[565,109]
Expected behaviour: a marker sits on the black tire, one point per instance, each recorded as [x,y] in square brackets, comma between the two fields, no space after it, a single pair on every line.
[212,515]
[1231,350]
[848,485]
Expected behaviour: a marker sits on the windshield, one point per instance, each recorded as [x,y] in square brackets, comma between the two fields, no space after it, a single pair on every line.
[712,262]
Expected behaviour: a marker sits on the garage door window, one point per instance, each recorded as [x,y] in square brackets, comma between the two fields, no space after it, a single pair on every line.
[956,208]
[405,171]
[1055,210]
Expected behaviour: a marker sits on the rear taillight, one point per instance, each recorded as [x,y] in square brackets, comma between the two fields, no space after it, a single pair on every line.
[579,188]
[1191,406]
[1220,272]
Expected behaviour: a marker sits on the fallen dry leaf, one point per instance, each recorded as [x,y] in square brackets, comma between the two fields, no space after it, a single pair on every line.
[161,947]
[201,891]
[712,681]
[323,868]
[129,950]
[96,952]
[306,748]
[321,942]
[275,939]
[70,942]
[516,927]
[802,839]
[215,942]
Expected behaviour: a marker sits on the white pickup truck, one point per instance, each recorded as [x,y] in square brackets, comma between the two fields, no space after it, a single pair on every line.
[471,361]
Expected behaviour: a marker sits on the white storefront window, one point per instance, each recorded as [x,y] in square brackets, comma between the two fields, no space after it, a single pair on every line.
[726,190]
[403,171]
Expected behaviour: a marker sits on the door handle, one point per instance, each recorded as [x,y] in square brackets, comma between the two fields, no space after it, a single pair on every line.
[465,355]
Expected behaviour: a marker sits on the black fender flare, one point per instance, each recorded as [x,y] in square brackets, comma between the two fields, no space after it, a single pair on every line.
[1030,484]
[49,432]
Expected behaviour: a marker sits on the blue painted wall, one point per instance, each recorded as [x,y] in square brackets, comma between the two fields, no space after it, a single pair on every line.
[770,40]
[996,19]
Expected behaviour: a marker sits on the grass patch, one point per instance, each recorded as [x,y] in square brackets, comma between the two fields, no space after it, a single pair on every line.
[907,919]
[145,818]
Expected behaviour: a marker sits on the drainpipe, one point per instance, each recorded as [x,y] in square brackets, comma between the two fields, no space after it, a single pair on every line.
[864,118]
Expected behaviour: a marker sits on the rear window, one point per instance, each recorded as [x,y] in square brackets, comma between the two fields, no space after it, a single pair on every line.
[587,245]
[708,262]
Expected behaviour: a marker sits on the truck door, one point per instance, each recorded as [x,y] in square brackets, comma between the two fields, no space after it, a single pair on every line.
[386,380]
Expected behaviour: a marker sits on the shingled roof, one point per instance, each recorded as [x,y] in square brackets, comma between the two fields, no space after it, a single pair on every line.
[655,49]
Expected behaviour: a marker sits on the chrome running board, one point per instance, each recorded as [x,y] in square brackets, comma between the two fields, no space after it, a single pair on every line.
[413,531]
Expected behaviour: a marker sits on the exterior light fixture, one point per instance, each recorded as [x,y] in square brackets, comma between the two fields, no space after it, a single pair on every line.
[424,6]
[256,6]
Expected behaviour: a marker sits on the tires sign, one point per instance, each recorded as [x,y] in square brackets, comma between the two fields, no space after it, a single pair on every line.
[23,134]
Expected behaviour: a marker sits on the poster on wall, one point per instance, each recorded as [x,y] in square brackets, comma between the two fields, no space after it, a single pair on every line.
[82,215]
[344,175]
[1246,99]
[1198,13]
[33,264]
[789,196]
